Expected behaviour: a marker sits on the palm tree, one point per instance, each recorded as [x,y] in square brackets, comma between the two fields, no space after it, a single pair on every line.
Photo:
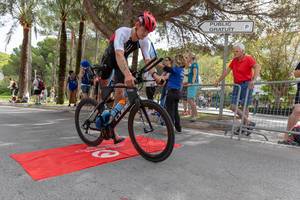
[63,8]
[22,11]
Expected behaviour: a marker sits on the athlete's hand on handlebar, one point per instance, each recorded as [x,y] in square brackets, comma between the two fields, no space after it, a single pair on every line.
[129,80]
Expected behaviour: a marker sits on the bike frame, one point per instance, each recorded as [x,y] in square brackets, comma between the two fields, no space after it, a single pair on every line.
[135,99]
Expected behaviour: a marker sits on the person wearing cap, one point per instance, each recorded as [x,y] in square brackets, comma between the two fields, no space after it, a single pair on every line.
[245,72]
[85,77]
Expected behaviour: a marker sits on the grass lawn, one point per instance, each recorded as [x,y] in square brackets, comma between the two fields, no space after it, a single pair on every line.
[206,116]
[5,98]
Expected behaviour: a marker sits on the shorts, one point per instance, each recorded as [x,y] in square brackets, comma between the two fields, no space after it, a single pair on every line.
[85,88]
[108,63]
[37,92]
[192,92]
[242,99]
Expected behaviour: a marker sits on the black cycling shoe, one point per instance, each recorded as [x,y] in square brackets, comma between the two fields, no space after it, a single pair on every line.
[118,140]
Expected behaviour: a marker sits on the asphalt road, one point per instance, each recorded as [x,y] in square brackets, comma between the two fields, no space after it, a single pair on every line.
[207,167]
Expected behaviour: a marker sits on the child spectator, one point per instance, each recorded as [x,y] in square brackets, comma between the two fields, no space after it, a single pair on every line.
[72,85]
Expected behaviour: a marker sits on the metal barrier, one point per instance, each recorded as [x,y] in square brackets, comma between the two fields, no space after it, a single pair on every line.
[209,100]
[272,105]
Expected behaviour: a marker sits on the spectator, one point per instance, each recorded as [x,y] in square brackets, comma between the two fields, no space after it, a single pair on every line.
[13,89]
[193,78]
[295,115]
[165,75]
[186,110]
[85,76]
[150,86]
[52,95]
[44,94]
[245,72]
[72,85]
[174,88]
[37,89]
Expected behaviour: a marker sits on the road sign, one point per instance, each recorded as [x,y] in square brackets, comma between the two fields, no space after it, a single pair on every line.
[229,27]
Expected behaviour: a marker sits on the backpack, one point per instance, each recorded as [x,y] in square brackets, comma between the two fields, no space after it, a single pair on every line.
[41,85]
[73,84]
[87,77]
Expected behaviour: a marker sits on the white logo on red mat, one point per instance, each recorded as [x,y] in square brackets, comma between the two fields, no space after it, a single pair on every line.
[105,153]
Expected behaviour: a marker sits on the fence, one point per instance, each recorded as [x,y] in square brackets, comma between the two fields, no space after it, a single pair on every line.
[272,103]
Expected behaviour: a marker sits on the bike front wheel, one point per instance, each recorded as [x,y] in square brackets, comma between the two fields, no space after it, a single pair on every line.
[151,131]
[85,116]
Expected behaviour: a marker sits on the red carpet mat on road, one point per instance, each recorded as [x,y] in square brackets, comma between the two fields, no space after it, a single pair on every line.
[63,160]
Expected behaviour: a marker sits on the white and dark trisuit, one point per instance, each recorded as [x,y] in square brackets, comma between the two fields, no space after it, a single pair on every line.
[121,40]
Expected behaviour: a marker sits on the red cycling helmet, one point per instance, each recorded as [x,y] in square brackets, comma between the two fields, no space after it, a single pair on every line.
[148,21]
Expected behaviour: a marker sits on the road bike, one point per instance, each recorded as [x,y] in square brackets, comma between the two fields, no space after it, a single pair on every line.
[150,127]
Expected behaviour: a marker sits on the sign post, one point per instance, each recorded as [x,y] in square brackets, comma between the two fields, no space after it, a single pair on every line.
[226,28]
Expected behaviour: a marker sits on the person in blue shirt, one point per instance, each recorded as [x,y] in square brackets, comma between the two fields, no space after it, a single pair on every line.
[174,87]
[85,77]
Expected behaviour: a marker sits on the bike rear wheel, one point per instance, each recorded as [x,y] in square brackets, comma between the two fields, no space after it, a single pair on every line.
[85,120]
[151,131]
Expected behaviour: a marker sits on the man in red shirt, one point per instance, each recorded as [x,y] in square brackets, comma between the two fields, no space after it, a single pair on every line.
[245,72]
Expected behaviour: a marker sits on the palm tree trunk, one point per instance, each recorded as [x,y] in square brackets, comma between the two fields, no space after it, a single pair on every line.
[29,64]
[83,41]
[56,61]
[62,63]
[72,49]
[79,47]
[97,47]
[23,69]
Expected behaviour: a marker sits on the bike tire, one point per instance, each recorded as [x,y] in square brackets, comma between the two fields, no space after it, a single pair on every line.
[82,135]
[152,156]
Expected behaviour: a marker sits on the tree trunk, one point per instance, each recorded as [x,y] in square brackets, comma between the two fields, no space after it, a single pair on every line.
[23,68]
[29,64]
[62,63]
[127,13]
[79,47]
[97,47]
[56,61]
[72,41]
[83,40]
[135,57]
[99,24]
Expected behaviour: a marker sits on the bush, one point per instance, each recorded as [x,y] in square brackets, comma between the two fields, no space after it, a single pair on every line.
[3,87]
